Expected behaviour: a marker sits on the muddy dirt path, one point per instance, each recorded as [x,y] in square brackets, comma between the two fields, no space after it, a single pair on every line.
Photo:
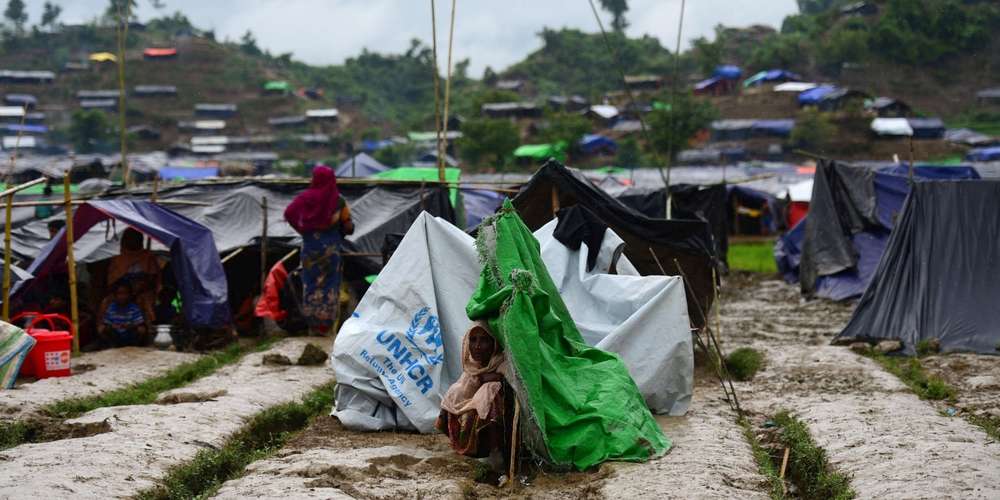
[891,444]
[145,441]
[93,373]
[710,458]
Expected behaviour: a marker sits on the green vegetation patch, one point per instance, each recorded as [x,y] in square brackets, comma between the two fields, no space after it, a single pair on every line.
[808,467]
[912,373]
[765,464]
[266,433]
[753,257]
[744,363]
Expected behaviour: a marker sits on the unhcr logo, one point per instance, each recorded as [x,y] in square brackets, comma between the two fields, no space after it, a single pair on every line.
[415,351]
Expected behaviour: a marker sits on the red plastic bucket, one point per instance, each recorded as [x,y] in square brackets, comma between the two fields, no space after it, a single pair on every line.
[52,353]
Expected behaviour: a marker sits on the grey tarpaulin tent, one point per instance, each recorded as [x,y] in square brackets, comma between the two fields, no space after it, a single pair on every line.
[937,277]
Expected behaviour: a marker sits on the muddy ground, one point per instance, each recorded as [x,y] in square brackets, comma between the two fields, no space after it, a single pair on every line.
[890,443]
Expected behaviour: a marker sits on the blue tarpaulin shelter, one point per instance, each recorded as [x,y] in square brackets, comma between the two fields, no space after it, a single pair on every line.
[194,258]
[361,165]
[479,204]
[834,251]
[188,173]
[596,143]
[984,154]
[813,97]
[773,128]
[773,75]
[728,72]
[27,129]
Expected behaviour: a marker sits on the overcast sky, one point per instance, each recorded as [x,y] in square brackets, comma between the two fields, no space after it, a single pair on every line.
[493,33]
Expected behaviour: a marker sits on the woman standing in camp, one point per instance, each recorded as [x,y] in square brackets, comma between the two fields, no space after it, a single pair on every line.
[323,218]
[475,412]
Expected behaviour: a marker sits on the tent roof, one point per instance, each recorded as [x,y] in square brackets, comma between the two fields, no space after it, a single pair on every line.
[816,94]
[794,87]
[605,111]
[277,85]
[159,52]
[892,126]
[103,57]
[363,165]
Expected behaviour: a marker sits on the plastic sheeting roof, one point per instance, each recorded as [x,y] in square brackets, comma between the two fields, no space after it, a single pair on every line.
[892,127]
[794,87]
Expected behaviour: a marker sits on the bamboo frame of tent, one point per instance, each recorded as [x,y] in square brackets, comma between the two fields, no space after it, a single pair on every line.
[74,308]
[9,195]
[42,203]
[263,244]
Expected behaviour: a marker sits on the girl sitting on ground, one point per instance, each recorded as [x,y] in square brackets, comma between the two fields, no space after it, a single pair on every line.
[476,411]
[122,322]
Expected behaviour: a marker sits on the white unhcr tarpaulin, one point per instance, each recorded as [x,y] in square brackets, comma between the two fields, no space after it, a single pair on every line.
[400,351]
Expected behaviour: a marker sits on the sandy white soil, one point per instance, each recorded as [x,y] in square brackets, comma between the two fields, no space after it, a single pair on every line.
[94,373]
[145,441]
[891,444]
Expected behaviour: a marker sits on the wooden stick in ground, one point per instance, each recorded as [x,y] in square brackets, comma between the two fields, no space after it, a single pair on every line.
[784,465]
[6,258]
[74,307]
[263,244]
[513,442]
[718,347]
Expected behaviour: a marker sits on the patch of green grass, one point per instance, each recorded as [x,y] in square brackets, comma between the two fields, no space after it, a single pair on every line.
[744,363]
[927,347]
[267,432]
[808,466]
[15,433]
[912,373]
[147,391]
[766,466]
[757,257]
[988,423]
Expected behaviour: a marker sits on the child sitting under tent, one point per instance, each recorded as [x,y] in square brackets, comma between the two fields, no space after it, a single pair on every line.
[122,322]
[476,410]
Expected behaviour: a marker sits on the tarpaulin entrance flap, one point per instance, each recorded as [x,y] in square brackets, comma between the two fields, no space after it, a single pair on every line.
[581,404]
[937,277]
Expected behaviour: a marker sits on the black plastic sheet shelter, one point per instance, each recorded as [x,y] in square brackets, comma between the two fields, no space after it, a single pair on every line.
[938,276]
[689,201]
[688,241]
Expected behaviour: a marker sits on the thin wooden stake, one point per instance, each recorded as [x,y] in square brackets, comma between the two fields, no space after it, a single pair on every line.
[513,442]
[784,465]
[6,259]
[555,201]
[74,307]
[263,244]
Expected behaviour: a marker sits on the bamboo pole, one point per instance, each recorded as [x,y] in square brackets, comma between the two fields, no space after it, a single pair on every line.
[513,442]
[71,264]
[232,254]
[263,244]
[42,203]
[123,134]
[6,259]
[437,91]
[443,142]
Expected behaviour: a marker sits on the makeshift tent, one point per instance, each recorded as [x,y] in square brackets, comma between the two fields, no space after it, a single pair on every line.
[188,173]
[159,53]
[937,277]
[773,128]
[554,373]
[435,270]
[813,96]
[427,174]
[773,75]
[22,100]
[15,344]
[100,57]
[479,204]
[731,130]
[892,127]
[361,165]
[927,128]
[194,258]
[727,72]
[799,196]
[797,87]
[277,87]
[851,213]
[24,129]
[984,154]
[690,242]
[970,137]
[541,152]
[596,143]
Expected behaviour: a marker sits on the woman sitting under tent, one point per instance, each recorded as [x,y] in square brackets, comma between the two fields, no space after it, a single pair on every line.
[476,410]
[137,268]
[323,218]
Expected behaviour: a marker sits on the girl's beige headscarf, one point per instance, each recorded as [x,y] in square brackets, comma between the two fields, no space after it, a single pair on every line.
[467,394]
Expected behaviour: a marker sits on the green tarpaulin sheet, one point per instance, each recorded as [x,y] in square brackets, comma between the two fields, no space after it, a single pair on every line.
[581,405]
[451,175]
[277,86]
[542,152]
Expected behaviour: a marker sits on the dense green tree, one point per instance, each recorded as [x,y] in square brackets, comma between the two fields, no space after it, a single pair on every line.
[16,14]
[813,131]
[629,155]
[617,9]
[816,6]
[248,44]
[672,128]
[488,141]
[50,13]
[90,130]
[117,8]
[780,51]
[708,54]
[567,128]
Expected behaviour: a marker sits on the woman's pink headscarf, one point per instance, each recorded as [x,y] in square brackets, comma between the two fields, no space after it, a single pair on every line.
[313,208]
